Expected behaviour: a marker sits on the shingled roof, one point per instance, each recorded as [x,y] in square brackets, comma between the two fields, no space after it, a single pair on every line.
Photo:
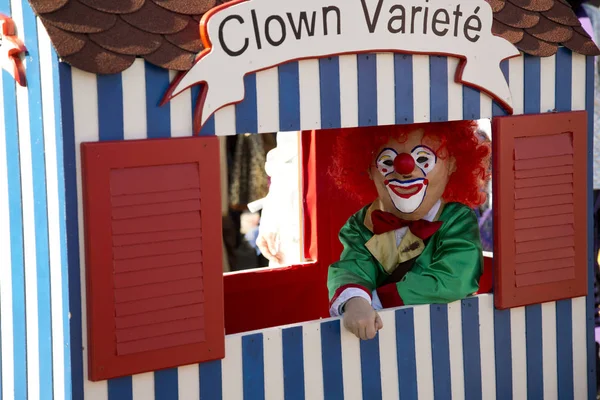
[105,36]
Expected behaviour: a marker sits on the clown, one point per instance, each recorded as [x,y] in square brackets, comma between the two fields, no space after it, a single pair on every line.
[418,241]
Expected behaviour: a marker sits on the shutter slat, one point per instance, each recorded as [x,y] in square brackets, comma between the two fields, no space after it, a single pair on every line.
[149,318]
[538,278]
[545,244]
[158,303]
[172,222]
[168,260]
[158,289]
[545,255]
[557,263]
[173,273]
[157,197]
[558,161]
[532,147]
[543,191]
[162,342]
[155,209]
[161,329]
[140,238]
[158,248]
[539,172]
[544,202]
[544,221]
[160,178]
[543,211]
[548,232]
[543,181]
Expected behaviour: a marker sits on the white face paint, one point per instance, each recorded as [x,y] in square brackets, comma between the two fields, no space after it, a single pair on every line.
[408,193]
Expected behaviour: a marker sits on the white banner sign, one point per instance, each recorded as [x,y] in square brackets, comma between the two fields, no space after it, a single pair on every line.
[252,35]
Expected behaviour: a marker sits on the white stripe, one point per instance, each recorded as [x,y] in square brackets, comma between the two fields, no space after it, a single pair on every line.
[310,94]
[457,371]
[54,216]
[578,82]
[351,365]
[225,121]
[181,112]
[31,296]
[233,388]
[549,351]
[188,382]
[485,106]
[273,356]
[348,91]
[313,364]
[134,101]
[6,302]
[385,89]
[515,78]
[548,79]
[142,386]
[518,352]
[455,92]
[579,332]
[85,113]
[423,352]
[487,350]
[267,96]
[388,356]
[421,88]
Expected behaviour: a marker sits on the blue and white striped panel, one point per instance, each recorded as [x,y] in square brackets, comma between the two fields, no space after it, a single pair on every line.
[446,351]
[34,333]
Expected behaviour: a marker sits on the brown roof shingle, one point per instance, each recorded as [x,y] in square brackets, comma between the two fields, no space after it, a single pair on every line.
[105,36]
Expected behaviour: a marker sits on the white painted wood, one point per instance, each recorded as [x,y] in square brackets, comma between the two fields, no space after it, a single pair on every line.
[578,82]
[188,382]
[457,370]
[181,112]
[518,351]
[351,368]
[516,82]
[310,94]
[313,364]
[225,121]
[547,84]
[233,386]
[421,88]
[423,352]
[349,91]
[455,92]
[134,101]
[386,105]
[142,386]
[273,356]
[388,356]
[485,105]
[549,351]
[54,214]
[487,350]
[580,376]
[267,95]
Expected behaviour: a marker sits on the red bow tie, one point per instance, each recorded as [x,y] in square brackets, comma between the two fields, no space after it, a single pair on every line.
[384,222]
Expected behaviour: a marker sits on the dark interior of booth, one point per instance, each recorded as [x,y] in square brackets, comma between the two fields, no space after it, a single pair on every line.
[264,297]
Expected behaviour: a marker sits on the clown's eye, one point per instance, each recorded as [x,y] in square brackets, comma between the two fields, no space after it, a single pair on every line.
[422,160]
[388,163]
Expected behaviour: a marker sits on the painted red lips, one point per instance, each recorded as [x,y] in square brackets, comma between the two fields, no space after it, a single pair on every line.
[406,192]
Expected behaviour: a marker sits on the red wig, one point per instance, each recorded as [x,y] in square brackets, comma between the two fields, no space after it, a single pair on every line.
[355,149]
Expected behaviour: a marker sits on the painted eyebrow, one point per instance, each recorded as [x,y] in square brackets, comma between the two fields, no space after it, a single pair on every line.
[424,152]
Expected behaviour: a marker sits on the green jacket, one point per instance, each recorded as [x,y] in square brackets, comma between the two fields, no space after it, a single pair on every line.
[446,269]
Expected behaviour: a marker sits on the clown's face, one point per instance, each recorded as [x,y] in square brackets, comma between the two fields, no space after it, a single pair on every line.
[411,176]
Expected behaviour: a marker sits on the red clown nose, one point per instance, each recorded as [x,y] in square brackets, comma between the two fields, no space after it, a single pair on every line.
[404,164]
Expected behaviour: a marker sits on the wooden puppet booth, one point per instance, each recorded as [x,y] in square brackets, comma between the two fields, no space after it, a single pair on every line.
[111,263]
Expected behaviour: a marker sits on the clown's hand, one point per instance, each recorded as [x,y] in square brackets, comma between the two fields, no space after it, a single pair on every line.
[268,243]
[361,319]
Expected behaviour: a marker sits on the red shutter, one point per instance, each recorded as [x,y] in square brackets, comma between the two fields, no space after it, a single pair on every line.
[540,208]
[153,254]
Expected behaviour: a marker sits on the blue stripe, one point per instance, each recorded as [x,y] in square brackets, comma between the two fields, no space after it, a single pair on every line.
[247,111]
[471,348]
[209,126]
[40,210]
[72,225]
[407,361]
[158,119]
[440,351]
[534,351]
[61,210]
[532,83]
[503,354]
[370,369]
[438,88]
[253,367]
[293,363]
[110,107]
[564,348]
[211,380]
[120,388]
[498,111]
[166,385]
[590,307]
[367,89]
[331,356]
[471,103]
[289,97]
[403,88]
[564,72]
[329,75]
